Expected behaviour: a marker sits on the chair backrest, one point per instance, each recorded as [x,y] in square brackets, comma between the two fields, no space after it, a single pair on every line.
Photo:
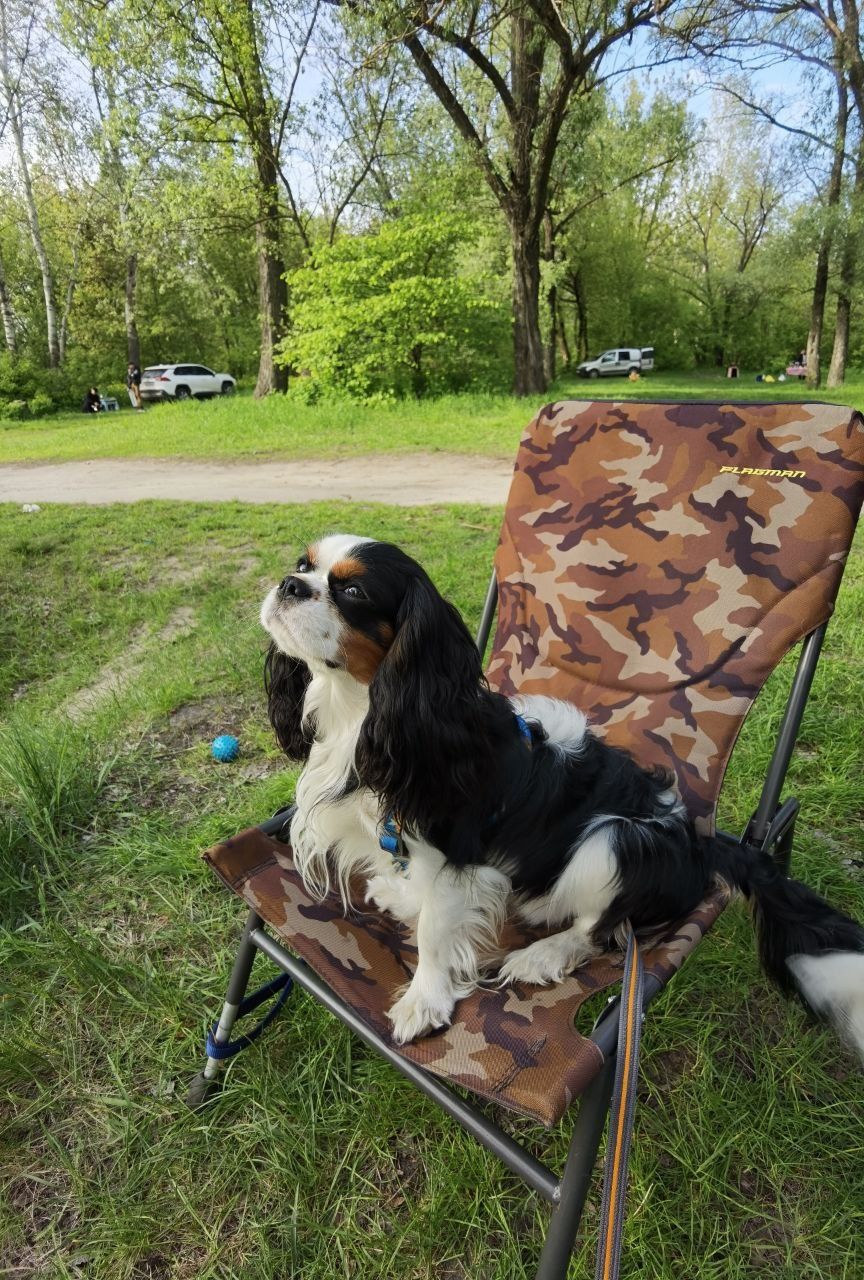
[657,561]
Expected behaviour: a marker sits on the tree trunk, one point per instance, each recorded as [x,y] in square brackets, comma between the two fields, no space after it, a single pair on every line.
[9,330]
[823,257]
[562,334]
[581,316]
[848,275]
[549,347]
[15,124]
[130,300]
[63,331]
[840,350]
[529,376]
[70,297]
[817,311]
[272,294]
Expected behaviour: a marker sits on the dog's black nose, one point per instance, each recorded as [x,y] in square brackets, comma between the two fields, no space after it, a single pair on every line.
[294,587]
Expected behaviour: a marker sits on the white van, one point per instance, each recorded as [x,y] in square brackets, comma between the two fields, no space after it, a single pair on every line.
[618,360]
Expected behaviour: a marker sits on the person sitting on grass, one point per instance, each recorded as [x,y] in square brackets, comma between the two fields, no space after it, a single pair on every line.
[92,401]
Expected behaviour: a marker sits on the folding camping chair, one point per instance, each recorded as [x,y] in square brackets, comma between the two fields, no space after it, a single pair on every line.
[655,563]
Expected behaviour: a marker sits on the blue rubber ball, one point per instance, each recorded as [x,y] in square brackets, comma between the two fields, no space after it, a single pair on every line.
[225,747]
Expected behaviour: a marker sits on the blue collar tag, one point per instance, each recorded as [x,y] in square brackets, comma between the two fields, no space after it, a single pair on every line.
[391,841]
[524,730]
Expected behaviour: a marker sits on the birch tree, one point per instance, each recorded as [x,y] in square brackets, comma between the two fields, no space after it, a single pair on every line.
[234,70]
[19,41]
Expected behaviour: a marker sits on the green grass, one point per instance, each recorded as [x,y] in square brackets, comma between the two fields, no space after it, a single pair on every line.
[286,428]
[318,1161]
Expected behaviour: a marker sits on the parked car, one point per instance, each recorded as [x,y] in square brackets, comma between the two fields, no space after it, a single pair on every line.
[180,381]
[618,360]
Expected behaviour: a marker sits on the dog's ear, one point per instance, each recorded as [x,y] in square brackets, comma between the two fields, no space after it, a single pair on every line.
[286,681]
[421,746]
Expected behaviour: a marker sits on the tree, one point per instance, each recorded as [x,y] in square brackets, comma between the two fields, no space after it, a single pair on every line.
[19,38]
[125,134]
[237,67]
[615,173]
[825,39]
[515,67]
[733,199]
[348,129]
[10,329]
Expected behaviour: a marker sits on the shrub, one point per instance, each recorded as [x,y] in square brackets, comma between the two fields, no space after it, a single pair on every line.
[16,410]
[19,377]
[41,405]
[390,314]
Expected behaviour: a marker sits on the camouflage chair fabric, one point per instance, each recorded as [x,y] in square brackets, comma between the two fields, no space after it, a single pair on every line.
[655,563]
[658,560]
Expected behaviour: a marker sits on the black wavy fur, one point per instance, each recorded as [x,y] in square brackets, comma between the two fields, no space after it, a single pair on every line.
[430,742]
[285,682]
[790,918]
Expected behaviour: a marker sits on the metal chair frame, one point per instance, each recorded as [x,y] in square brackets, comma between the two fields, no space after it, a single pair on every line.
[771,829]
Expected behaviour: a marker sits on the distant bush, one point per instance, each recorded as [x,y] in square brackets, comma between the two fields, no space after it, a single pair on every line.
[47,390]
[41,405]
[19,377]
[16,410]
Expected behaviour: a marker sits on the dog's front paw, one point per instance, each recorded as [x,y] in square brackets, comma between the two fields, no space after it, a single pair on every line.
[543,962]
[417,1012]
[389,894]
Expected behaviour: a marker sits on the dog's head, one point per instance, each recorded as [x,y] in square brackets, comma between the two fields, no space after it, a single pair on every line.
[337,608]
[363,611]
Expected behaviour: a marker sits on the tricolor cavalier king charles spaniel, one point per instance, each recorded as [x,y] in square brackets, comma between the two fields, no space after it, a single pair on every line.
[459,805]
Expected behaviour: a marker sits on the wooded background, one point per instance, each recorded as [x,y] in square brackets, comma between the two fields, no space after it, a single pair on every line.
[401,198]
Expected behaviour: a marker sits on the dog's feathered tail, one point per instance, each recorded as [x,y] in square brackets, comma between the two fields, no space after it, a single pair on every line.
[804,943]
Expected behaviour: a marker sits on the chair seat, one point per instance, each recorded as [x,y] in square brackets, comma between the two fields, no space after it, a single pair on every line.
[517,1047]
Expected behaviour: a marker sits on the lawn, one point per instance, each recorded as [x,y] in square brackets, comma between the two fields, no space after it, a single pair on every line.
[128,638]
[282,427]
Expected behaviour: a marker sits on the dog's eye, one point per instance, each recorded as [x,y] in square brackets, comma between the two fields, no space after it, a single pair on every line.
[302,565]
[353,590]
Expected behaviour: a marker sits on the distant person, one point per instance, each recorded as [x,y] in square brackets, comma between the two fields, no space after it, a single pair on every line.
[92,401]
[133,382]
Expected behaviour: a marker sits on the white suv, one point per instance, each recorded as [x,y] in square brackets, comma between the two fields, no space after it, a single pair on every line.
[180,381]
[618,360]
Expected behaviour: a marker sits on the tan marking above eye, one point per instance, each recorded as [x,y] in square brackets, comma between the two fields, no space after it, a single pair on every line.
[347,568]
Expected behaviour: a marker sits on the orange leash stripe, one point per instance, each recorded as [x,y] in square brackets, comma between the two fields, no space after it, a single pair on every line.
[621,1126]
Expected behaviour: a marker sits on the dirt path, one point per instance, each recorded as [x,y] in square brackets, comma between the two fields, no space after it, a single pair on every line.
[407,480]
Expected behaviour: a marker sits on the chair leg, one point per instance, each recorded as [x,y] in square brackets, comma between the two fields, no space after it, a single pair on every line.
[581,1158]
[206,1083]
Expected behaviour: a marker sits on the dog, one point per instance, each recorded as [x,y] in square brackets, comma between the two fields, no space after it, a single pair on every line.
[459,806]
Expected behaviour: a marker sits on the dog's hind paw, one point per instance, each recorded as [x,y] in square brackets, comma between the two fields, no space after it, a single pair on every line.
[545,961]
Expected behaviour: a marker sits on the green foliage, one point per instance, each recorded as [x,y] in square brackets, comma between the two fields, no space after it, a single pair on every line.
[41,405]
[16,410]
[651,233]
[389,314]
